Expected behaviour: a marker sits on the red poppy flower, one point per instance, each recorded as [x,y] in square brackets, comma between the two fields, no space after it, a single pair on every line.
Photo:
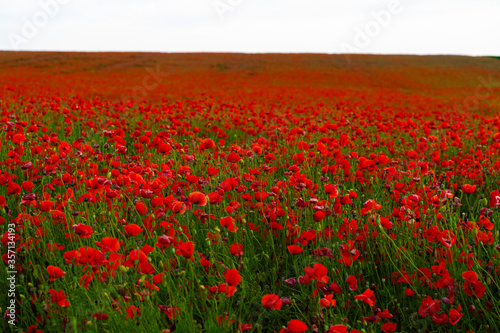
[212,171]
[13,188]
[466,188]
[349,253]
[34,329]
[294,249]
[132,311]
[146,268]
[455,316]
[318,216]
[158,278]
[192,179]
[185,249]
[214,198]
[133,229]
[55,272]
[179,207]
[320,272]
[470,276]
[170,311]
[163,148]
[46,205]
[64,148]
[440,319]
[336,288]
[198,198]
[297,326]
[495,199]
[331,190]
[429,306]
[134,255]
[108,244]
[388,327]
[236,249]
[233,157]
[385,223]
[226,289]
[327,301]
[352,282]
[337,329]
[485,223]
[228,222]
[28,186]
[304,279]
[82,230]
[275,226]
[157,201]
[244,327]
[384,314]
[207,144]
[233,277]
[100,316]
[271,301]
[59,297]
[474,287]
[165,241]
[368,297]
[141,208]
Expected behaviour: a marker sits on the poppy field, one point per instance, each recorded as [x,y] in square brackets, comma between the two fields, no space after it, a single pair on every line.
[249,193]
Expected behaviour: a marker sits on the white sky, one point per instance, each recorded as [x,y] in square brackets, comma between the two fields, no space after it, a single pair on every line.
[467,27]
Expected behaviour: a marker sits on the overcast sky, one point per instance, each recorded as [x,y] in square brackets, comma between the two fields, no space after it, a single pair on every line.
[467,27]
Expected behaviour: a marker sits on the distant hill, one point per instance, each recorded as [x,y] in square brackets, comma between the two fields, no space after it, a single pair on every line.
[368,79]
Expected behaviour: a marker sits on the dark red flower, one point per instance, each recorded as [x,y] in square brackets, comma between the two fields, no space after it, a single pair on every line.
[82,230]
[271,301]
[388,327]
[236,249]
